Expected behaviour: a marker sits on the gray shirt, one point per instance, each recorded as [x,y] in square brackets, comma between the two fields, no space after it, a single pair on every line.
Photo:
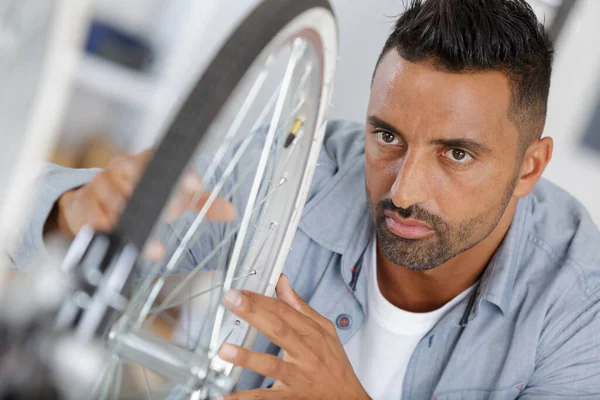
[530,330]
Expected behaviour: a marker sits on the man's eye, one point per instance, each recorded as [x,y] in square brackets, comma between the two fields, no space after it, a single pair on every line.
[386,138]
[458,155]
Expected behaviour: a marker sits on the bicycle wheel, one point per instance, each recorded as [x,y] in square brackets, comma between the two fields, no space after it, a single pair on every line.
[252,128]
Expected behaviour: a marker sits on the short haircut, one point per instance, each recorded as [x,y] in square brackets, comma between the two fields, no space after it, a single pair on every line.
[473,36]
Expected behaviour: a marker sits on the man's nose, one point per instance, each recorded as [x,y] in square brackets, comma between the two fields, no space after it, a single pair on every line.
[411,184]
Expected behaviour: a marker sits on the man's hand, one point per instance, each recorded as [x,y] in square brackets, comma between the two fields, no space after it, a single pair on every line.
[314,364]
[100,202]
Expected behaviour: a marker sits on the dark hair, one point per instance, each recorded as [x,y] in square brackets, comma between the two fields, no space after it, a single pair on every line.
[478,36]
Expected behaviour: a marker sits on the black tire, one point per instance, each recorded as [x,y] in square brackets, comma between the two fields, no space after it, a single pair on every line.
[198,112]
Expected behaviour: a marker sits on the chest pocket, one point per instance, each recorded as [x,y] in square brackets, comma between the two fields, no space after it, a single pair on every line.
[508,393]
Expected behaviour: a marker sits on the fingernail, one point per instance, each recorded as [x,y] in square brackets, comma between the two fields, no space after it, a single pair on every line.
[232,298]
[227,352]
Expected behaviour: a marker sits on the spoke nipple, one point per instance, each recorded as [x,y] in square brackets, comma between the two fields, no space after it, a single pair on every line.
[253,272]
[282,181]
[82,300]
[237,322]
[93,276]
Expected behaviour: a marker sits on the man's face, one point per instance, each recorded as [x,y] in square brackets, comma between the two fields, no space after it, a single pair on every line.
[441,159]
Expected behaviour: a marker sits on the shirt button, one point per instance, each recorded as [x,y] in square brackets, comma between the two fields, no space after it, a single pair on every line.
[343,321]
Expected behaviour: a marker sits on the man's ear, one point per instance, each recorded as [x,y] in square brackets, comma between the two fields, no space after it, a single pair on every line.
[534,163]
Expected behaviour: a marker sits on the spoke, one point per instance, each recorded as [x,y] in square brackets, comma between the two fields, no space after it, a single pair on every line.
[193,228]
[216,304]
[298,50]
[105,382]
[272,227]
[143,289]
[213,355]
[136,395]
[117,386]
[188,319]
[181,248]
[168,319]
[220,153]
[209,257]
[146,384]
[199,218]
[162,390]
[162,308]
[193,273]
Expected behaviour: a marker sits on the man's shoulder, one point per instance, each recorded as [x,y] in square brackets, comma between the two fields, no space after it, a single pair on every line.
[343,142]
[563,233]
[341,159]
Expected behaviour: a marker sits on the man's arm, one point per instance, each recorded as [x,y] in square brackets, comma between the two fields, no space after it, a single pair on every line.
[69,199]
[53,183]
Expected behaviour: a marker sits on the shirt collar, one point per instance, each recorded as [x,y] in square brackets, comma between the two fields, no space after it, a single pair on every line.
[338,219]
[498,280]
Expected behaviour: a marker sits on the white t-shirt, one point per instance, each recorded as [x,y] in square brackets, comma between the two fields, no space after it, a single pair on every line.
[381,349]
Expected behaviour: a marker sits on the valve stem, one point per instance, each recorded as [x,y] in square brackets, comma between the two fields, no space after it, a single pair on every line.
[293,132]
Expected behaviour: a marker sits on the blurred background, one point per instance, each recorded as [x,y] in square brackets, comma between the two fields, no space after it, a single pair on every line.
[138,53]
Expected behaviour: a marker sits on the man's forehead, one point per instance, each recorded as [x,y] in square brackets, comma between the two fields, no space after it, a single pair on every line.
[472,101]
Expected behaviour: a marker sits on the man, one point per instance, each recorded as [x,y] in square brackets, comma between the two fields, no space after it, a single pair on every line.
[461,274]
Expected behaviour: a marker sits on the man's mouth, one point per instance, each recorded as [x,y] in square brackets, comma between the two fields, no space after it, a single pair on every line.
[407,228]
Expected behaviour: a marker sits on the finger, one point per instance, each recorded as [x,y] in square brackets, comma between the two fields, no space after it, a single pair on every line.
[127,170]
[289,296]
[299,321]
[220,210]
[192,190]
[257,394]
[190,186]
[154,251]
[70,217]
[123,183]
[110,197]
[278,385]
[92,212]
[192,197]
[264,364]
[275,319]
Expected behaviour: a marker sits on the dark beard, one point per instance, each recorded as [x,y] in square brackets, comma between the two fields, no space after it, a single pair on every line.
[448,240]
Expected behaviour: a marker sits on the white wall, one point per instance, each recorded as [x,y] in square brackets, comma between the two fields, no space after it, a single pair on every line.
[573,94]
[364,26]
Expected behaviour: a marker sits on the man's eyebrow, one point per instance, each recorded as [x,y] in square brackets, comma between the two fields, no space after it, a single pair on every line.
[462,143]
[378,122]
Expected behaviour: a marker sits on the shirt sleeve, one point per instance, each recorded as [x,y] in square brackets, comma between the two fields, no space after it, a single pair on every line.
[52,182]
[568,366]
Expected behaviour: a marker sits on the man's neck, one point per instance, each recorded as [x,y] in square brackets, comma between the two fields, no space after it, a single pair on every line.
[424,291]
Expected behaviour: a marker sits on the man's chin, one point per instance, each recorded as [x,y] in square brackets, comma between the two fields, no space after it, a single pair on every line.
[414,254]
